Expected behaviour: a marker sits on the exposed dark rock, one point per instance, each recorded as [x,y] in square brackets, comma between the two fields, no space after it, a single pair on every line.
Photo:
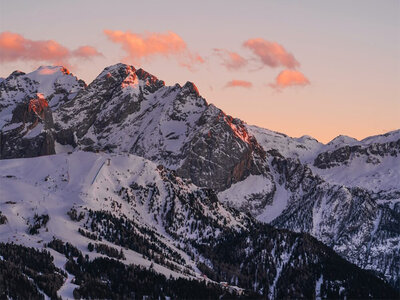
[18,142]
[349,220]
[222,153]
[345,154]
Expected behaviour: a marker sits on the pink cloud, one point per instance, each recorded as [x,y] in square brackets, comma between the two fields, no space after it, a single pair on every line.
[14,46]
[231,60]
[239,83]
[288,78]
[190,60]
[143,46]
[271,54]
[86,52]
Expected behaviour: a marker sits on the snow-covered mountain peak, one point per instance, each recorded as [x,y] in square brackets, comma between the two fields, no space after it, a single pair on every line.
[49,70]
[191,88]
[340,141]
[307,139]
[16,73]
[116,73]
[56,83]
[119,68]
[148,78]
[51,79]
[129,75]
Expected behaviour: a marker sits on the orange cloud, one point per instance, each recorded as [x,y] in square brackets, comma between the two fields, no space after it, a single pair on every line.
[86,52]
[239,83]
[271,54]
[231,60]
[143,46]
[14,46]
[288,78]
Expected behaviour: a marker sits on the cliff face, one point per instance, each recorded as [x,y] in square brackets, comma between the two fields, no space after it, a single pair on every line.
[27,134]
[372,153]
[221,153]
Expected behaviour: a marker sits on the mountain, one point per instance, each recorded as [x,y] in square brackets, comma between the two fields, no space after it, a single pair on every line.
[84,207]
[129,110]
[234,176]
[346,195]
[20,136]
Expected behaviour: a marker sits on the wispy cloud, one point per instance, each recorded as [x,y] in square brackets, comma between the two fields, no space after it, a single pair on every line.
[86,52]
[271,54]
[139,47]
[14,47]
[239,83]
[231,60]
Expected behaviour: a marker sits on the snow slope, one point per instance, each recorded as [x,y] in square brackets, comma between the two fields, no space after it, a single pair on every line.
[303,148]
[179,220]
[54,184]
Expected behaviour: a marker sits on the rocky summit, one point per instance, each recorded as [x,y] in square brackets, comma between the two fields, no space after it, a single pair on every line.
[157,182]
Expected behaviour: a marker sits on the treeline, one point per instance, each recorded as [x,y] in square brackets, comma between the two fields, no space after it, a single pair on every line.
[106,278]
[67,249]
[23,270]
[126,233]
[253,260]
[106,250]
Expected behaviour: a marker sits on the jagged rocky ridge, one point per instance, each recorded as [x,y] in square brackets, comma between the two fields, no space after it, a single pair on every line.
[129,110]
[268,174]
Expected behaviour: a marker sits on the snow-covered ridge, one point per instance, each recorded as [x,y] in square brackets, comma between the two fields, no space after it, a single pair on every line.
[88,198]
[271,175]
[390,136]
[303,148]
[53,185]
[307,148]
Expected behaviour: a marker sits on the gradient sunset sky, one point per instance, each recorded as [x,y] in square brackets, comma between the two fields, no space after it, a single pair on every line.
[320,68]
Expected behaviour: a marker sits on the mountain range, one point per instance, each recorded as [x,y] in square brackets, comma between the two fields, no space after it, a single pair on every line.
[129,172]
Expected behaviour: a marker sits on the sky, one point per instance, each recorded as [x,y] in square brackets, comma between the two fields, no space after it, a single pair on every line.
[318,68]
